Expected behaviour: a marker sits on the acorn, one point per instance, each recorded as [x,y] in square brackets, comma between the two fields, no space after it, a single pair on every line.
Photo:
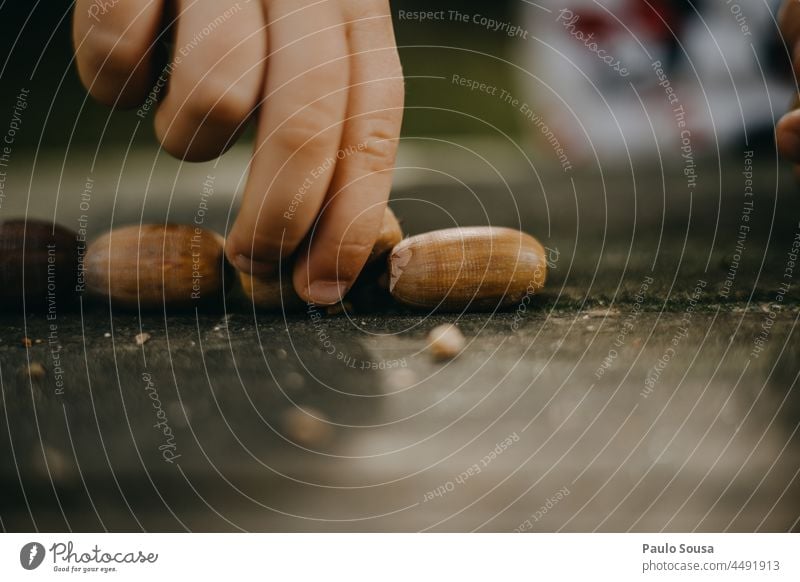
[156,266]
[474,268]
[38,263]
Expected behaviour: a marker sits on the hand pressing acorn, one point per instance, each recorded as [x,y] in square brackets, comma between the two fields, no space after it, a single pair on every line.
[154,266]
[467,268]
[274,294]
[38,263]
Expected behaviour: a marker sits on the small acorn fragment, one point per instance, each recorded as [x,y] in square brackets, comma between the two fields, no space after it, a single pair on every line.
[475,268]
[34,372]
[47,254]
[306,426]
[445,342]
[155,266]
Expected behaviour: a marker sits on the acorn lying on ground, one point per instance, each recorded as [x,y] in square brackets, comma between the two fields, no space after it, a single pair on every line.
[38,262]
[474,268]
[155,265]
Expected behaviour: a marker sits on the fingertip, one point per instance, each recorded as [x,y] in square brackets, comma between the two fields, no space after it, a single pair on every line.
[325,292]
[318,288]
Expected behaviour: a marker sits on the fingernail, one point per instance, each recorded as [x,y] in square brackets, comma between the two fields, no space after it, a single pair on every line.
[326,292]
[248,265]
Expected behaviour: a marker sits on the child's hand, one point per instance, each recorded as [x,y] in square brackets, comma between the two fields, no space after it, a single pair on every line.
[788,128]
[325,79]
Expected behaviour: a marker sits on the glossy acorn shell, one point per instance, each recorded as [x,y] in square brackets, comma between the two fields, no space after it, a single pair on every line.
[156,266]
[476,268]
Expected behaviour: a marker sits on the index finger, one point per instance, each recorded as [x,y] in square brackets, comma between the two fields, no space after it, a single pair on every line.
[299,131]
[348,226]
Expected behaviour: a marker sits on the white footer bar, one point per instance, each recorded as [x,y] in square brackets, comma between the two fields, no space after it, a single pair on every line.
[401,557]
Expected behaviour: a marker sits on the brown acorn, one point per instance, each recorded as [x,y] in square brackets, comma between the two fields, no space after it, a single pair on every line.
[38,263]
[476,267]
[154,266]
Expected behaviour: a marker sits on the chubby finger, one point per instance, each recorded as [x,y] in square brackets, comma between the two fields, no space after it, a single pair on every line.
[299,132]
[217,71]
[351,219]
[113,48]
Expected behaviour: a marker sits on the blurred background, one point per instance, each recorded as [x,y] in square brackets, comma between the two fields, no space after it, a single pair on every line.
[724,56]
[543,87]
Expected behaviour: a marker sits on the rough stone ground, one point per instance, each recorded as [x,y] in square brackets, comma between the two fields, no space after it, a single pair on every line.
[589,430]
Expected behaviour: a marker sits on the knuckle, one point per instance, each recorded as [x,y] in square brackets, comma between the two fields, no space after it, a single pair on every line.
[220,103]
[379,146]
[380,150]
[305,131]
